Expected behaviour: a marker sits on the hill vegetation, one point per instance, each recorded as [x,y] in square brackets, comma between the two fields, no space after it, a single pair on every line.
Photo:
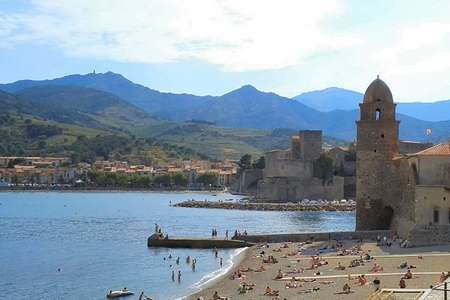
[332,110]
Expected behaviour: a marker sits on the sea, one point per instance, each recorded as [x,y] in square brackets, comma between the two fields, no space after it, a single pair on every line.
[80,245]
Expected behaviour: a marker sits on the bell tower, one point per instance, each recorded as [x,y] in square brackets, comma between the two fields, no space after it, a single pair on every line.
[377,145]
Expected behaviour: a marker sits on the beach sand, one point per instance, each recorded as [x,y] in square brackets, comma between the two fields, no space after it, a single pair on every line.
[429,262]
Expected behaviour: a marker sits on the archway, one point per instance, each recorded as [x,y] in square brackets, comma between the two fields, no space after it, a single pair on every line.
[377,114]
[387,213]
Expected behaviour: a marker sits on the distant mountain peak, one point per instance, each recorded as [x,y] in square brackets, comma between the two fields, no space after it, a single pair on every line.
[248,87]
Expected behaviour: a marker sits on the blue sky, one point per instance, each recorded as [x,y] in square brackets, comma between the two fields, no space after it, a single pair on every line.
[214,46]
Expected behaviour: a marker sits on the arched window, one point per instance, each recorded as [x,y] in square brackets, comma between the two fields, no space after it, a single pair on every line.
[377,114]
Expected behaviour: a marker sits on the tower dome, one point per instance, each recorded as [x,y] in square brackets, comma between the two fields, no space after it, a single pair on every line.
[378,91]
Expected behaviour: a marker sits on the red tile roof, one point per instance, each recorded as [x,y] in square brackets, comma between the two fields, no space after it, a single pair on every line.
[439,149]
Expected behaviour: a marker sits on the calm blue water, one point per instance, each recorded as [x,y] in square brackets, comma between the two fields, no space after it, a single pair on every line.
[99,241]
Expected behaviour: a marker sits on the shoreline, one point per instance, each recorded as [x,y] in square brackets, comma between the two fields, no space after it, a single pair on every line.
[236,261]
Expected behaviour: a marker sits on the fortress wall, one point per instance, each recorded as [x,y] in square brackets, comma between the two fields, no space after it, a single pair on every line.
[277,165]
[426,235]
[316,236]
[293,189]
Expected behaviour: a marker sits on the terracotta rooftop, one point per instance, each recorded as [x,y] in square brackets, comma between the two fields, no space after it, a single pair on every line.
[439,149]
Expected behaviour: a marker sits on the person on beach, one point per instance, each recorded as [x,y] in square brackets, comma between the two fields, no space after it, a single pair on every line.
[443,277]
[376,268]
[179,275]
[271,292]
[217,297]
[173,275]
[376,284]
[221,262]
[408,275]
[260,269]
[226,234]
[340,267]
[194,263]
[346,288]
[188,259]
[216,252]
[178,260]
[280,274]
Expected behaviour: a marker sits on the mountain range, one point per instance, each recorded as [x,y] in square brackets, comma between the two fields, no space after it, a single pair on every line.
[334,98]
[332,110]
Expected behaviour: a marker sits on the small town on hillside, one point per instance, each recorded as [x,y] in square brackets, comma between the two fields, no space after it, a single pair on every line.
[44,172]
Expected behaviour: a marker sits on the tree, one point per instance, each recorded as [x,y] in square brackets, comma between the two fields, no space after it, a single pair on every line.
[260,163]
[178,179]
[245,162]
[207,178]
[162,180]
[323,168]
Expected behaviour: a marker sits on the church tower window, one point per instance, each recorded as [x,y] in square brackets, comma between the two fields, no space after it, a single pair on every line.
[377,114]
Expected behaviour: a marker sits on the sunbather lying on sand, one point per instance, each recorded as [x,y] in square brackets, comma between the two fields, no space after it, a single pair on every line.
[279,274]
[376,268]
[246,269]
[295,271]
[260,269]
[271,292]
[292,284]
[217,297]
[270,260]
[340,267]
[345,290]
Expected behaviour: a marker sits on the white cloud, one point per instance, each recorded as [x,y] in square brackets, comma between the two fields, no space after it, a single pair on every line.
[423,48]
[236,34]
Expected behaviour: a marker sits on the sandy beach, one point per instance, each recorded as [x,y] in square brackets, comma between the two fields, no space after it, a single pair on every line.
[294,260]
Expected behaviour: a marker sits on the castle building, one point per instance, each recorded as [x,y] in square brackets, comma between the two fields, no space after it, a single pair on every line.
[404,192]
[289,174]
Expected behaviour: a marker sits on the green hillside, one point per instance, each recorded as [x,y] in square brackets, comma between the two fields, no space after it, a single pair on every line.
[87,124]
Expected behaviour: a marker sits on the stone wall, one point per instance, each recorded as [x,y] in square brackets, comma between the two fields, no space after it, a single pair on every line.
[283,189]
[310,144]
[349,187]
[429,199]
[425,235]
[247,181]
[432,170]
[280,164]
[316,236]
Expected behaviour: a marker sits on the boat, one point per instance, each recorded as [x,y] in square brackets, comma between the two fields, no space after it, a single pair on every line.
[117,294]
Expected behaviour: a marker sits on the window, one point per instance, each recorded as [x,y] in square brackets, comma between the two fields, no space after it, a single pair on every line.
[377,114]
[436,216]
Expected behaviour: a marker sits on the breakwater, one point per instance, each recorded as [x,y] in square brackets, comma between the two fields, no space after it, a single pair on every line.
[322,206]
[199,243]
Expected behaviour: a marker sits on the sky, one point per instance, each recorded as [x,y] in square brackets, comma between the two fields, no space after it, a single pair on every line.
[214,46]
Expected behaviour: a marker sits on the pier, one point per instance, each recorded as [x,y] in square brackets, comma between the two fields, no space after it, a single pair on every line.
[199,243]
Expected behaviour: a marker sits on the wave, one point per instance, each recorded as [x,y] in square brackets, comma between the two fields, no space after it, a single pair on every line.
[212,277]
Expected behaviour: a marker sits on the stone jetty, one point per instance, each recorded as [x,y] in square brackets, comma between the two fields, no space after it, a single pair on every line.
[301,206]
